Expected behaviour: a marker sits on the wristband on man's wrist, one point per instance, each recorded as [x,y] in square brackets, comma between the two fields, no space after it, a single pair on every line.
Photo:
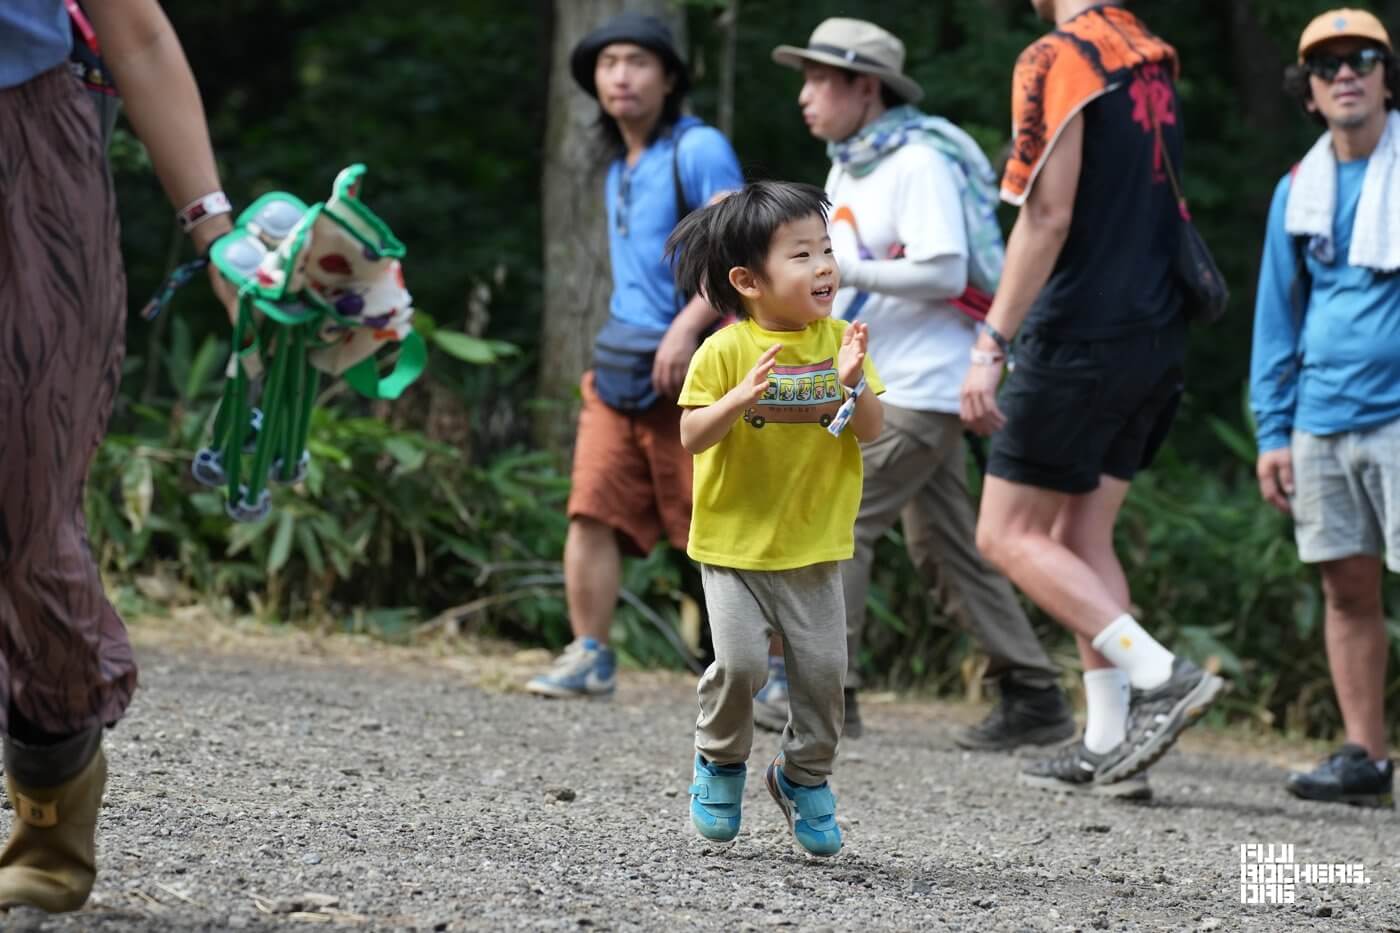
[984,358]
[1003,344]
[201,209]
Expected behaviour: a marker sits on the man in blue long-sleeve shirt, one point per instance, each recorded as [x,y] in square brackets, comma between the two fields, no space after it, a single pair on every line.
[1325,373]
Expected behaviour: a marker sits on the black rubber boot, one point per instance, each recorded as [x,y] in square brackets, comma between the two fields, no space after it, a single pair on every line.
[854,728]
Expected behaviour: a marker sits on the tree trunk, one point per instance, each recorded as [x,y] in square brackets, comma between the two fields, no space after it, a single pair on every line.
[1255,60]
[577,284]
[729,29]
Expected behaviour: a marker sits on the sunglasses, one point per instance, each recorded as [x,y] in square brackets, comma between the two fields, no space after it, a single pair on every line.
[1362,62]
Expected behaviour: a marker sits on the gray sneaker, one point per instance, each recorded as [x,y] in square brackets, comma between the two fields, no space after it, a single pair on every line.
[770,704]
[587,668]
[1157,717]
[1071,770]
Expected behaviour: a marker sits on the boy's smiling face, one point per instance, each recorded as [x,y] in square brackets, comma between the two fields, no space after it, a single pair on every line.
[799,277]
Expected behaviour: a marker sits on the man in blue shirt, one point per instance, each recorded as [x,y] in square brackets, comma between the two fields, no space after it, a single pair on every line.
[631,476]
[1325,373]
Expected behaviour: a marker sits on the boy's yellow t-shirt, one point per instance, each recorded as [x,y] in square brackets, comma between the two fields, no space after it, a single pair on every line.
[778,491]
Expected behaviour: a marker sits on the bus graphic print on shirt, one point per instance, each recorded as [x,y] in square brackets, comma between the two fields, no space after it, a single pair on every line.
[799,395]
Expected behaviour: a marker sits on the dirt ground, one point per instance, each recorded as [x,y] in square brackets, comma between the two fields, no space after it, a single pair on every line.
[277,780]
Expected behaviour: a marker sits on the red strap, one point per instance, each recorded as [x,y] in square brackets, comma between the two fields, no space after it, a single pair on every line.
[84,27]
[974,302]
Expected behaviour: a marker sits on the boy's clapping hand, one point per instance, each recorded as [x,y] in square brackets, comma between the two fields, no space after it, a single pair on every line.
[851,361]
[755,384]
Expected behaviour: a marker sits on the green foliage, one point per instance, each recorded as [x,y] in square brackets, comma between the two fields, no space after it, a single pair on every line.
[385,518]
[445,102]
[388,528]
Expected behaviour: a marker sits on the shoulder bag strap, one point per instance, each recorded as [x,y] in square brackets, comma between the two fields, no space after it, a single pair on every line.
[1171,169]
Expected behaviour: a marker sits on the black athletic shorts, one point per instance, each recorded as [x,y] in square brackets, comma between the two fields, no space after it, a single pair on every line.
[1078,410]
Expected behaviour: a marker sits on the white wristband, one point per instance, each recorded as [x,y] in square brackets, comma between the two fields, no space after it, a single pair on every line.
[984,358]
[201,209]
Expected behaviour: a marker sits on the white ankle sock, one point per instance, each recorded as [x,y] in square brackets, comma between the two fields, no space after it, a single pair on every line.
[1107,693]
[1132,650]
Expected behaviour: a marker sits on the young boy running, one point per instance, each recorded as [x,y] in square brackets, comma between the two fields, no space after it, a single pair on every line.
[777,486]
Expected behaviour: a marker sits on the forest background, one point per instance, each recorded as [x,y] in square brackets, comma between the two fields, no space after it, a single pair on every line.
[443,512]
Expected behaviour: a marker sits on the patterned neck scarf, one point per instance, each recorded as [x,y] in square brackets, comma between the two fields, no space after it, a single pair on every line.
[977,184]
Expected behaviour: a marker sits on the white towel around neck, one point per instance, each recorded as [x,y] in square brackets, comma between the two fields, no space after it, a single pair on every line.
[1312,202]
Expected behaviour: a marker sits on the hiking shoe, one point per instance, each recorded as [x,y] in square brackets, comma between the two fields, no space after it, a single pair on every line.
[717,799]
[585,669]
[1157,717]
[1071,771]
[853,727]
[1348,775]
[810,811]
[770,703]
[1022,716]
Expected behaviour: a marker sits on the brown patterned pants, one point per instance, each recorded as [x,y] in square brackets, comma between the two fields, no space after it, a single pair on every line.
[65,661]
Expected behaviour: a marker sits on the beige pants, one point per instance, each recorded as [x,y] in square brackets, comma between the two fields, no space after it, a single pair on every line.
[804,606]
[916,471]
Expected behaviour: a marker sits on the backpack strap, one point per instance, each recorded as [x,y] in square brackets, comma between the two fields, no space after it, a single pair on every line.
[682,205]
[1301,289]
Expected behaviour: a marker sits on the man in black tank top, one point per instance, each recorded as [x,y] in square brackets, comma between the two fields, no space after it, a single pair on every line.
[1088,288]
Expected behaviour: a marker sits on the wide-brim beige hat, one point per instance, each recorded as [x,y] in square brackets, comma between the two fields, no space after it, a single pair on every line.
[855,45]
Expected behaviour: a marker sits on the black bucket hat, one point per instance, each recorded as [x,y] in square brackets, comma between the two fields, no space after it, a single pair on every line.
[637,28]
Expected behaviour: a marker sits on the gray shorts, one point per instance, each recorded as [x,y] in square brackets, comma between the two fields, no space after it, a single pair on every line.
[1346,499]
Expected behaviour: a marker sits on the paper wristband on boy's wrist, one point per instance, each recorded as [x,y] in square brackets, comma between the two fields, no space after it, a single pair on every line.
[201,209]
[985,358]
[848,407]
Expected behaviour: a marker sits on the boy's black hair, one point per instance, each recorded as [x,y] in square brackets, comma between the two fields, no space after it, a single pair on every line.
[1297,85]
[736,231]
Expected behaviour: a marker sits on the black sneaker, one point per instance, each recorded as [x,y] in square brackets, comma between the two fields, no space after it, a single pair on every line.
[1023,716]
[1071,771]
[854,728]
[1348,775]
[1156,719]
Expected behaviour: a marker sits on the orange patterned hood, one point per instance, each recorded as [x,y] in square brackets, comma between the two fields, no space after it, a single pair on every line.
[1060,74]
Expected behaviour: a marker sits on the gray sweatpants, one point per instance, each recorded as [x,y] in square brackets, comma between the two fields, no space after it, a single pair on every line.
[806,607]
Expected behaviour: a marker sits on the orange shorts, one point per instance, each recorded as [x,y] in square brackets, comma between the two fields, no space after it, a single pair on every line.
[631,472]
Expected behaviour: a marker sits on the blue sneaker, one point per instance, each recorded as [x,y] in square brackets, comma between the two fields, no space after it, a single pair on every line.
[770,703]
[810,811]
[585,669]
[717,799]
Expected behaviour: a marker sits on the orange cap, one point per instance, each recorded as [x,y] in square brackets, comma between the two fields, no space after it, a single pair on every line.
[1342,24]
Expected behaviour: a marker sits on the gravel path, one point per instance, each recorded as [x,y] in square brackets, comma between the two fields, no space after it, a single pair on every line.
[275,782]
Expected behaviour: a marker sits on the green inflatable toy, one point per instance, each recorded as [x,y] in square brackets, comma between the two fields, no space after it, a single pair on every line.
[320,291]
